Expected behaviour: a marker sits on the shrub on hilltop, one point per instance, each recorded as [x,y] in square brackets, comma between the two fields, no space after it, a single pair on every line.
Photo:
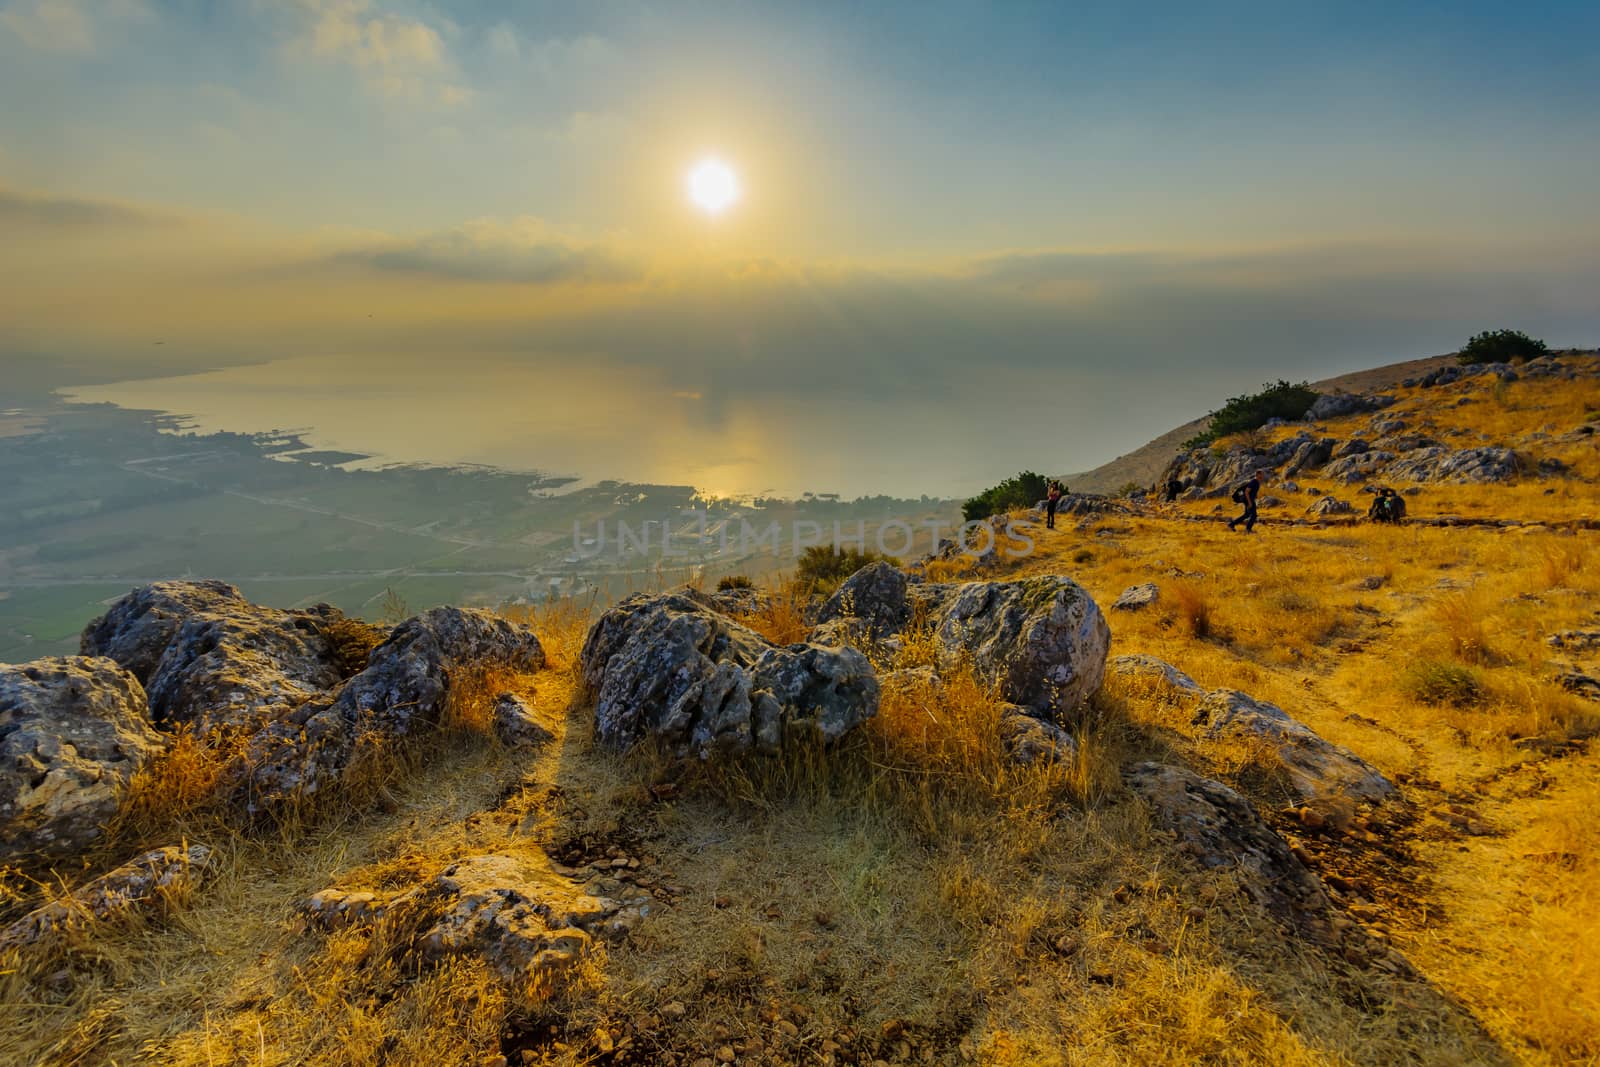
[1022,491]
[822,568]
[1278,400]
[1501,346]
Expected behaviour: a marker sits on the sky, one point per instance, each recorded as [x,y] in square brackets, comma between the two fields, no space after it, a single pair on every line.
[1091,221]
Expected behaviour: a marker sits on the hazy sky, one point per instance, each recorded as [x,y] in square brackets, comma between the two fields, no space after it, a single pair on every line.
[953,208]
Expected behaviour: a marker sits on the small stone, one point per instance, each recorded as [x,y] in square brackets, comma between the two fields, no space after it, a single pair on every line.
[675,1010]
[725,1054]
[603,1042]
[788,1029]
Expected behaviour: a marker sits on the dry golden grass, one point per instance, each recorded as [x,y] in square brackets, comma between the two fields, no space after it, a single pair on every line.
[912,896]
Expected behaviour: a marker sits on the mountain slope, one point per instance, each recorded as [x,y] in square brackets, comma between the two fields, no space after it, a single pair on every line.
[1144,463]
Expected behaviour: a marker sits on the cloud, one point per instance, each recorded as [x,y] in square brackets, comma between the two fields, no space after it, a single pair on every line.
[69,26]
[523,251]
[396,55]
[62,212]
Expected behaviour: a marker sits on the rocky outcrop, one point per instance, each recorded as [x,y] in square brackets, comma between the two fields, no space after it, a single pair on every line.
[1338,405]
[523,917]
[1358,466]
[400,694]
[1319,770]
[675,670]
[1041,642]
[1439,464]
[208,656]
[1220,829]
[73,732]
[158,878]
[1137,597]
[1575,640]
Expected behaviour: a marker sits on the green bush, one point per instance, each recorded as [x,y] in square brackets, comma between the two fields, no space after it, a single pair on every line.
[1501,346]
[1278,400]
[1434,682]
[735,581]
[821,569]
[1022,491]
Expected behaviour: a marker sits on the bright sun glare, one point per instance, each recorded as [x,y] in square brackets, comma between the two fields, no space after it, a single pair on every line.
[713,186]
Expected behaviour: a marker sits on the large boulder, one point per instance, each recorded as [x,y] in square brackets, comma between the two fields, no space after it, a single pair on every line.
[400,694]
[1309,455]
[674,669]
[73,732]
[208,656]
[876,595]
[148,882]
[1042,642]
[1318,769]
[1220,829]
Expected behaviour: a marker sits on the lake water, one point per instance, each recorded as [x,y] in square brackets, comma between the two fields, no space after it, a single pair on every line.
[597,423]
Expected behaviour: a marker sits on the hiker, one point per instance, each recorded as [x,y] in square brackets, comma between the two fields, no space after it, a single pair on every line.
[1052,499]
[1174,487]
[1387,506]
[1246,494]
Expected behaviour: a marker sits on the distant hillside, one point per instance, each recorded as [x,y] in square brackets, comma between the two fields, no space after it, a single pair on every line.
[1145,463]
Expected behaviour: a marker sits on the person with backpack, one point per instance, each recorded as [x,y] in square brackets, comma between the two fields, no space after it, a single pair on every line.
[1387,506]
[1052,499]
[1246,494]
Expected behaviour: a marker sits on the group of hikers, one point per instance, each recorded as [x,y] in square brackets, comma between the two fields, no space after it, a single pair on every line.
[1387,505]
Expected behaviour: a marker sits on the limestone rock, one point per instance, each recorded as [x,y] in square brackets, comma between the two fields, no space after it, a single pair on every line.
[1137,597]
[1318,768]
[675,669]
[523,917]
[399,695]
[1327,505]
[1220,829]
[1029,739]
[1338,405]
[208,656]
[1041,641]
[156,878]
[1575,640]
[1438,464]
[73,731]
[516,725]
[1359,466]
[1159,673]
[1576,680]
[875,594]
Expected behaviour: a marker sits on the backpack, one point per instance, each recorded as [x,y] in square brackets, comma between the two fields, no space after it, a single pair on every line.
[1240,496]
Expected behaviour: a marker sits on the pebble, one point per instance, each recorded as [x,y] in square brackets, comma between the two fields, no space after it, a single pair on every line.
[725,1054]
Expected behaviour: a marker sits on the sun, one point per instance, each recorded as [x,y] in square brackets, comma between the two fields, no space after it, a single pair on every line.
[713,186]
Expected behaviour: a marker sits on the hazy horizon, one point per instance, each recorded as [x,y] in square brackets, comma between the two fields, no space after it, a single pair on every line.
[958,241]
